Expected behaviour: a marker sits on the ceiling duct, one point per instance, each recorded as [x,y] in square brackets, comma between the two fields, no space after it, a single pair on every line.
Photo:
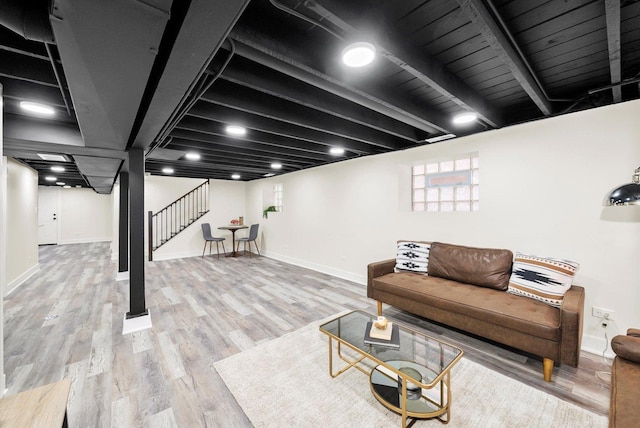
[29,18]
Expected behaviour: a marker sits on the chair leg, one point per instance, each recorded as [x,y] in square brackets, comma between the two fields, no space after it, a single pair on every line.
[223,250]
[217,249]
[210,245]
[204,248]
[257,249]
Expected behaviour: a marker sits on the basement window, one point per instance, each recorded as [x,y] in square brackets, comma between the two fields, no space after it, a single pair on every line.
[277,196]
[447,185]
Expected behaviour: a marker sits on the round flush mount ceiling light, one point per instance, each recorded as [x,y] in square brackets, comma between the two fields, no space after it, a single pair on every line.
[276,165]
[57,168]
[60,183]
[336,151]
[358,54]
[235,176]
[36,108]
[167,170]
[50,178]
[464,118]
[236,130]
[192,156]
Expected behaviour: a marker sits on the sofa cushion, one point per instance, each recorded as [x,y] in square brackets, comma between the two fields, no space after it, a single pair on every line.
[486,267]
[627,347]
[493,306]
[412,256]
[541,278]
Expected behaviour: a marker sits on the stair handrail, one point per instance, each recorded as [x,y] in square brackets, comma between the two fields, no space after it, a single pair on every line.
[192,203]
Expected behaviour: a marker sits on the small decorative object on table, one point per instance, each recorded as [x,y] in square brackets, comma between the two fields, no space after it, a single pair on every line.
[390,336]
[241,220]
[234,222]
[414,392]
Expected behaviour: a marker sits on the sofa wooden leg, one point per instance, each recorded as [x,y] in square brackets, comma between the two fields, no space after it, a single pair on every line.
[547,369]
[379,308]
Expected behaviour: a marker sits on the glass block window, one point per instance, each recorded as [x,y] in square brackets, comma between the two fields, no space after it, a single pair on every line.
[277,196]
[447,185]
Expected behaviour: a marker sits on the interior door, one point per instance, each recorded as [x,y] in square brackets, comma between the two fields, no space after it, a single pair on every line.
[47,215]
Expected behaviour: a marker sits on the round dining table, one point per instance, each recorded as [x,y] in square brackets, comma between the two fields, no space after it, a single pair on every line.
[233,228]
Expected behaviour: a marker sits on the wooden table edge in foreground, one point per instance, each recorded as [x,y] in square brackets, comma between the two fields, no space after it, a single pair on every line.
[41,407]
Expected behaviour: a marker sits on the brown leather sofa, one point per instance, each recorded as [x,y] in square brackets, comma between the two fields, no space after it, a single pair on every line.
[624,411]
[465,289]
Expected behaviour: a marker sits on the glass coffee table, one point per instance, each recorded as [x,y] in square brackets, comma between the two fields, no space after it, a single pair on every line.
[412,380]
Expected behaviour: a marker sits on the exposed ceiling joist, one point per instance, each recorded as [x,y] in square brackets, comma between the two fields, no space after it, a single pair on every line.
[251,47]
[268,125]
[274,84]
[612,10]
[420,64]
[247,100]
[486,24]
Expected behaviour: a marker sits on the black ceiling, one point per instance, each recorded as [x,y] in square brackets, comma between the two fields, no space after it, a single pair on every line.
[163,80]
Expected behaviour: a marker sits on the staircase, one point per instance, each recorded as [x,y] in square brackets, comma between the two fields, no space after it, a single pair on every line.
[177,216]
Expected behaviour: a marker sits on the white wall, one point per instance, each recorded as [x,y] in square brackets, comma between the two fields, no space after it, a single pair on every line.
[227,201]
[84,216]
[542,188]
[22,224]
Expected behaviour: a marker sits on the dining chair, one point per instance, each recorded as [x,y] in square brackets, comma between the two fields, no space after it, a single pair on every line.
[206,234]
[253,235]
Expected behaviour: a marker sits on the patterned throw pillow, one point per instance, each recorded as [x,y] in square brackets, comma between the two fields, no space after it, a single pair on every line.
[541,278]
[412,257]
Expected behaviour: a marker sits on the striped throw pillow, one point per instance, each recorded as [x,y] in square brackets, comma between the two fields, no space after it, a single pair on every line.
[412,257]
[541,278]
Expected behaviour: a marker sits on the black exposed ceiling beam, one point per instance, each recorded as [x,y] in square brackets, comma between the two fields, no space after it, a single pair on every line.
[264,79]
[247,100]
[418,63]
[486,24]
[612,9]
[243,144]
[203,31]
[211,127]
[229,115]
[250,46]
[242,154]
[26,68]
[23,90]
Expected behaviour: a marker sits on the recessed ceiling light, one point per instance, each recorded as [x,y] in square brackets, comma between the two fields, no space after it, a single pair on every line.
[57,168]
[236,176]
[276,165]
[358,54]
[53,158]
[37,108]
[192,156]
[60,183]
[67,187]
[236,130]
[269,174]
[167,170]
[336,151]
[50,178]
[78,185]
[466,117]
[439,138]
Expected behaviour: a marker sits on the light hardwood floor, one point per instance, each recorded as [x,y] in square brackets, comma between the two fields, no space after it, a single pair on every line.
[66,321]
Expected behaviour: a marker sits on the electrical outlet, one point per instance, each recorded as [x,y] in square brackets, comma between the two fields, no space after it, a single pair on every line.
[602,313]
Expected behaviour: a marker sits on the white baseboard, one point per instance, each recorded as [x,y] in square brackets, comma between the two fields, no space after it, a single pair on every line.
[595,345]
[132,325]
[122,276]
[170,256]
[343,274]
[83,241]
[13,285]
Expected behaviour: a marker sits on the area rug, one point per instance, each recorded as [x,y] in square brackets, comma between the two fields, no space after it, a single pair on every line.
[285,382]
